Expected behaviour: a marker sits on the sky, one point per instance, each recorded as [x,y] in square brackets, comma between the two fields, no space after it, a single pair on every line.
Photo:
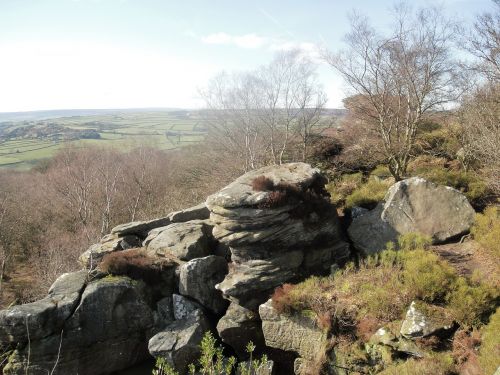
[82,54]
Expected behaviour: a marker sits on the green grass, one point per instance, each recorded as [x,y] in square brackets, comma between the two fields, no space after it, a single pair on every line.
[122,131]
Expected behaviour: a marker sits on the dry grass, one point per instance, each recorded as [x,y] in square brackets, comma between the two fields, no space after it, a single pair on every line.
[465,351]
[356,301]
[262,183]
[134,263]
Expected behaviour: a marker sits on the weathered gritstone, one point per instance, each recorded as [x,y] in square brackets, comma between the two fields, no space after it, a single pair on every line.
[270,244]
[413,205]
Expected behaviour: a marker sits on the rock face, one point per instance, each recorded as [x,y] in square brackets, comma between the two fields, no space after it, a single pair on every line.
[197,280]
[101,327]
[294,333]
[186,241]
[413,205]
[179,343]
[283,231]
[240,326]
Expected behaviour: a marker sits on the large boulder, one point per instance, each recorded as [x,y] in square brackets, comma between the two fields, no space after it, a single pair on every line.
[185,241]
[413,205]
[183,307]
[279,226]
[106,330]
[179,343]
[197,279]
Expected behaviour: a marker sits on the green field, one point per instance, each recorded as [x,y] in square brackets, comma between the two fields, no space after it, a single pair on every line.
[163,130]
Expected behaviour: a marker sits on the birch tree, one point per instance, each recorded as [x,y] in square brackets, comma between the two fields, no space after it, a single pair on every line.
[402,77]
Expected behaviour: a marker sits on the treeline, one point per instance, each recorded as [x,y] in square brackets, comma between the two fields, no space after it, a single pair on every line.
[398,81]
[50,215]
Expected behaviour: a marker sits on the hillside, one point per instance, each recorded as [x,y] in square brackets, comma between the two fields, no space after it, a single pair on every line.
[25,143]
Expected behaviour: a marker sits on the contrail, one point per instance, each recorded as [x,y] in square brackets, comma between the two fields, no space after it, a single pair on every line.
[276,22]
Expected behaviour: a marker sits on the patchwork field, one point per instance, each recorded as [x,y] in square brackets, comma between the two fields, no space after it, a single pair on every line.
[24,143]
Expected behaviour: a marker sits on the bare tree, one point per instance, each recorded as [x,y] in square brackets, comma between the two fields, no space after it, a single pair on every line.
[401,77]
[230,117]
[254,115]
[483,42]
[479,113]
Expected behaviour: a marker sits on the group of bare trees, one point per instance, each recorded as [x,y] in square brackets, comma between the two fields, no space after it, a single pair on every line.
[257,116]
[50,215]
[480,108]
[397,81]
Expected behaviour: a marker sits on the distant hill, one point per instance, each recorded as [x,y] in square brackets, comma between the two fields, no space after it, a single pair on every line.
[56,113]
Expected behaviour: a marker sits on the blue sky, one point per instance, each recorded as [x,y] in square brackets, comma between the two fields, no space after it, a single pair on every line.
[57,54]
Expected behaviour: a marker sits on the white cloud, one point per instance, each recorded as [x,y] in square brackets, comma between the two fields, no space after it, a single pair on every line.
[308,49]
[254,41]
[244,41]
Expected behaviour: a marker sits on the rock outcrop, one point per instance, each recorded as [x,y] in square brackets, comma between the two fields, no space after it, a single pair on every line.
[198,278]
[213,268]
[413,205]
[276,233]
[133,234]
[185,241]
[238,327]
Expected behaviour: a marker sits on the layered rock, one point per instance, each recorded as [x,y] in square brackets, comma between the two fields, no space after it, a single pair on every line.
[185,241]
[413,205]
[295,333]
[284,231]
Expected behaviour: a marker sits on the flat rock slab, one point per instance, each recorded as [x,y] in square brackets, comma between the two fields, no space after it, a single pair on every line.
[241,194]
[185,241]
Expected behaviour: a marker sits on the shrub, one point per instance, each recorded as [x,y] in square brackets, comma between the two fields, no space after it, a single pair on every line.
[413,241]
[472,303]
[465,349]
[429,277]
[381,171]
[134,263]
[262,183]
[486,230]
[489,353]
[368,194]
[437,364]
[339,189]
